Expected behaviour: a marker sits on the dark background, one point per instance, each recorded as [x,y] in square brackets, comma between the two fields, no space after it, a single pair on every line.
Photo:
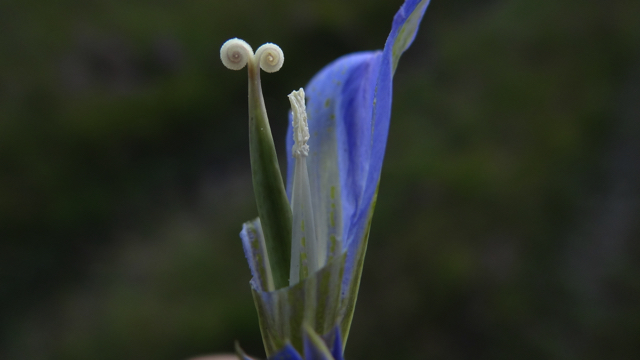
[507,219]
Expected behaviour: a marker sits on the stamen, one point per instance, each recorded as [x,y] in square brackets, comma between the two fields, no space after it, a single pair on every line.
[305,249]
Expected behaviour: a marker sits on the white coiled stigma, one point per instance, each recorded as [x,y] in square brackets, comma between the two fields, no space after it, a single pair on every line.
[270,57]
[236,53]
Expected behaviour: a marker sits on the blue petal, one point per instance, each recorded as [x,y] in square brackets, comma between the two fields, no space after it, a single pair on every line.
[349,109]
[287,353]
[339,112]
[335,341]
[314,346]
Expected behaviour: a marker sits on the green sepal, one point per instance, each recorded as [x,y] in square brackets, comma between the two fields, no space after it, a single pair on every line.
[348,304]
[313,302]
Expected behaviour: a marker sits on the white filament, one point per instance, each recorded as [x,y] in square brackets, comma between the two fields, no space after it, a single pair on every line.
[270,57]
[235,54]
[300,124]
[305,256]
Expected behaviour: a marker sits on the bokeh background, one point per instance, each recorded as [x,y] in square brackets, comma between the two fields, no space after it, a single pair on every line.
[507,222]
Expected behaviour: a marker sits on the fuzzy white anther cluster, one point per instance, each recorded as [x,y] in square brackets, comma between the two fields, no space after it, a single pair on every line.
[300,124]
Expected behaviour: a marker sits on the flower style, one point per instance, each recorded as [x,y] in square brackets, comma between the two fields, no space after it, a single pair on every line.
[306,249]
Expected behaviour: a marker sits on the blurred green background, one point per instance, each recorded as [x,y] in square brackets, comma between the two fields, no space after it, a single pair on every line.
[507,219]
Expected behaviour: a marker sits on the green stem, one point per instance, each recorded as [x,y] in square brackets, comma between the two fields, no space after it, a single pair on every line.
[271,198]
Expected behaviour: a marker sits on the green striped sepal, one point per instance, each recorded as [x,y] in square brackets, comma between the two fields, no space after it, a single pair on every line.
[315,303]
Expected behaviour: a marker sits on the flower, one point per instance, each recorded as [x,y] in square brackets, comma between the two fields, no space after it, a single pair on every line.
[333,174]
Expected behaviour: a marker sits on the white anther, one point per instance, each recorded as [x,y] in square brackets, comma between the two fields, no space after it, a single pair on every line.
[300,124]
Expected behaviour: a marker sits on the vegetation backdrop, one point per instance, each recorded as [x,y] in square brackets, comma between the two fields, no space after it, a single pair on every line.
[507,219]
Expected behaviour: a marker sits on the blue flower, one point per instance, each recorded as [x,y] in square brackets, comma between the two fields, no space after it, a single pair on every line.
[348,105]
